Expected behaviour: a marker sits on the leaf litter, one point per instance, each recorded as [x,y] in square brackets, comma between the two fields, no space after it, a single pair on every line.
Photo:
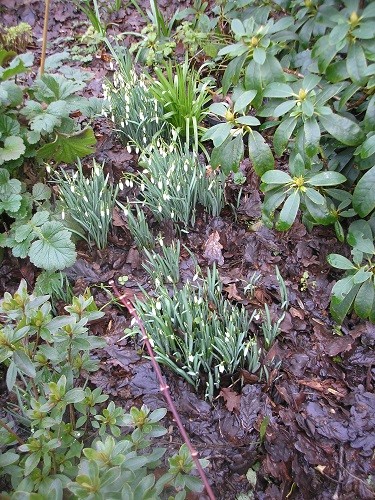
[319,401]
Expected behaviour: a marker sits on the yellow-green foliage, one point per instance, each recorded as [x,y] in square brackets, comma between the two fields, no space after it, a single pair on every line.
[15,38]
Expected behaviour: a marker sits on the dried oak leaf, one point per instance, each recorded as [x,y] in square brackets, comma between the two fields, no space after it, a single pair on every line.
[212,249]
[231,398]
[232,291]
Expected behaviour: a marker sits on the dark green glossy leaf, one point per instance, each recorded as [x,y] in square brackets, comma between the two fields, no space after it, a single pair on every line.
[283,134]
[289,212]
[364,194]
[356,64]
[260,153]
[327,179]
[228,155]
[276,177]
[312,136]
[342,129]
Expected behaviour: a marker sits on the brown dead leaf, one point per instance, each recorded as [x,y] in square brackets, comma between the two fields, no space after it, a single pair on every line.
[212,249]
[232,291]
[231,398]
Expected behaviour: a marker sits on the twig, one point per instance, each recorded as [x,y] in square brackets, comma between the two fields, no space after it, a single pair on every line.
[11,431]
[44,42]
[164,388]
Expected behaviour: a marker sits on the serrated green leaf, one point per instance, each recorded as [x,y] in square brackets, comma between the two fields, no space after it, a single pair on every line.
[54,250]
[13,149]
[342,129]
[260,153]
[10,203]
[41,192]
[364,194]
[66,148]
[289,212]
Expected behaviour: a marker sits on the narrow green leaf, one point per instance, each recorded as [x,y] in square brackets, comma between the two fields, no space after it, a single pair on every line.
[312,136]
[283,134]
[284,108]
[251,121]
[24,363]
[259,55]
[315,196]
[288,212]
[340,262]
[356,64]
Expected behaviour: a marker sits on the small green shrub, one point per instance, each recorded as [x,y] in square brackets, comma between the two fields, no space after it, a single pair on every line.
[40,126]
[357,289]
[196,332]
[37,235]
[89,201]
[57,438]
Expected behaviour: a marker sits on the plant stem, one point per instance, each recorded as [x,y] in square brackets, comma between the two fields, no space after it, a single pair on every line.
[45,33]
[11,431]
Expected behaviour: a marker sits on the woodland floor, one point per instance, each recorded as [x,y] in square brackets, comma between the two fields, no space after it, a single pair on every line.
[319,397]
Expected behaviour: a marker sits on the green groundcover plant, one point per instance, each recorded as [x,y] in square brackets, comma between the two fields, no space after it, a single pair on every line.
[40,126]
[61,438]
[33,232]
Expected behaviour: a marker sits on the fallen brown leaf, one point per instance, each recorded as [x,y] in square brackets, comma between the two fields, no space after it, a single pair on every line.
[212,249]
[231,398]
